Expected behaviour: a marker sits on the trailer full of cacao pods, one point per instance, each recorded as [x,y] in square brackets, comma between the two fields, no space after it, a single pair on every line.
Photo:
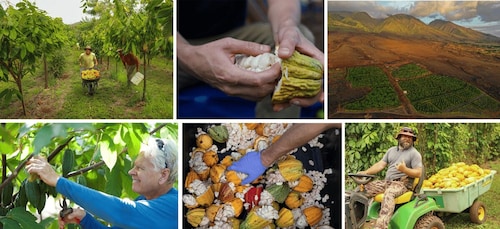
[457,175]
[285,196]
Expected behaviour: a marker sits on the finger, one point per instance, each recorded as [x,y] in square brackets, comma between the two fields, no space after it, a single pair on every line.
[245,47]
[250,78]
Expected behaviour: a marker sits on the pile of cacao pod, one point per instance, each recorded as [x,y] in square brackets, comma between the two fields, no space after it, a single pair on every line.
[214,196]
[90,74]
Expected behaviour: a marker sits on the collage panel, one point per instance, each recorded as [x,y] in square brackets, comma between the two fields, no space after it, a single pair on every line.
[261,175]
[89,175]
[261,59]
[413,59]
[83,59]
[421,175]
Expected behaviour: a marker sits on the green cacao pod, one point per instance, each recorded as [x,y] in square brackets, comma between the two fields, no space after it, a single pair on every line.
[21,199]
[279,191]
[7,194]
[33,193]
[218,133]
[301,76]
[68,162]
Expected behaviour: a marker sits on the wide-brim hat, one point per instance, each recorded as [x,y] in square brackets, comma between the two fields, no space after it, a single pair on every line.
[88,47]
[408,132]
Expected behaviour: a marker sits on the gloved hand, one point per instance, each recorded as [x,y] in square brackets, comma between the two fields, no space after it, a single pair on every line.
[249,164]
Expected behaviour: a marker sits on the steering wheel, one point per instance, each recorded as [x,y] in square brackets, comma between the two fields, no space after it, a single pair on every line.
[361,178]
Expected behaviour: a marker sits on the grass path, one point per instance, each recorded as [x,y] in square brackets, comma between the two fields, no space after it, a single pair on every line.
[66,98]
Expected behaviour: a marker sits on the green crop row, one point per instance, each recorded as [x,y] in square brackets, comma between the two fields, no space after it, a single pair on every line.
[378,98]
[370,76]
[409,71]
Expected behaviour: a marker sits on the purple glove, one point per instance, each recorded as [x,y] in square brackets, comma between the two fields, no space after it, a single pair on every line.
[249,164]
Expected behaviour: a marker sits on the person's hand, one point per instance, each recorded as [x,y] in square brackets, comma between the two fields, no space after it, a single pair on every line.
[213,63]
[250,164]
[39,165]
[74,218]
[290,38]
[363,173]
[401,166]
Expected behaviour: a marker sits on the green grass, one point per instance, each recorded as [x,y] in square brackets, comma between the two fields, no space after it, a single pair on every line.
[66,98]
[490,199]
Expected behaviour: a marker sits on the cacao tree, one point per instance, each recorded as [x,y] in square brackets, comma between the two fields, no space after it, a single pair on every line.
[26,32]
[97,155]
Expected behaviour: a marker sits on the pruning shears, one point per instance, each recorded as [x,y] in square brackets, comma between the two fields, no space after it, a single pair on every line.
[65,211]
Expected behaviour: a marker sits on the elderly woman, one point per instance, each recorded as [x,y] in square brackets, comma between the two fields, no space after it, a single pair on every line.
[153,174]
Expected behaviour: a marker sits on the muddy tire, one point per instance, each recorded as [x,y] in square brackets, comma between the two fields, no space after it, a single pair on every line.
[477,212]
[429,221]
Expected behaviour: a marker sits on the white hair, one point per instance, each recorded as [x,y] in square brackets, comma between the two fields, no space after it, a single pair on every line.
[164,157]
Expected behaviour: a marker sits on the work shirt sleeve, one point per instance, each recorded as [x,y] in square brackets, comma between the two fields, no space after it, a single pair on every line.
[157,213]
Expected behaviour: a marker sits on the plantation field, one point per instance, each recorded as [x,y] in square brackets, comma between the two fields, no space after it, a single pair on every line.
[65,98]
[381,95]
[420,92]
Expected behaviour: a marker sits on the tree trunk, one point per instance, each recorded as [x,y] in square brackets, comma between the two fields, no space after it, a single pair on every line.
[20,88]
[107,65]
[144,87]
[45,71]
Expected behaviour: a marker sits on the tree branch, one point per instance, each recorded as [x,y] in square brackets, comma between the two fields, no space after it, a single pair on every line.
[16,172]
[58,149]
[101,163]
[21,166]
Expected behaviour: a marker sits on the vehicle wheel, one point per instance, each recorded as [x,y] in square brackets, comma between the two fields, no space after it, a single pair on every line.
[429,221]
[477,212]
[91,89]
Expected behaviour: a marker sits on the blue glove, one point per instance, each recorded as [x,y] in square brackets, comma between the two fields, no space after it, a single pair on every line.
[249,164]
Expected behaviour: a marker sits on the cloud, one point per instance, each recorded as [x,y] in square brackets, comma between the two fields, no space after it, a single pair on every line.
[374,8]
[450,10]
[489,11]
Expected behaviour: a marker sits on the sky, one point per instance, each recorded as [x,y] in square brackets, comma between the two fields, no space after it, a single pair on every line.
[483,16]
[68,10]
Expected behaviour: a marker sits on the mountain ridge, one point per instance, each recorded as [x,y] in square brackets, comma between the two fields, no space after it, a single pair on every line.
[406,26]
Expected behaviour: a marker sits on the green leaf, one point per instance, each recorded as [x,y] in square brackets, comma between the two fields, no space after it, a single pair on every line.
[42,138]
[26,219]
[23,53]
[108,156]
[13,34]
[30,47]
[114,181]
[10,223]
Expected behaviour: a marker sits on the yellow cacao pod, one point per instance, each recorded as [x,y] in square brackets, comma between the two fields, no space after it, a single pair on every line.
[206,198]
[305,184]
[190,177]
[232,176]
[313,215]
[194,216]
[301,76]
[291,169]
[204,141]
[210,158]
[285,218]
[237,206]
[216,172]
[212,211]
[294,200]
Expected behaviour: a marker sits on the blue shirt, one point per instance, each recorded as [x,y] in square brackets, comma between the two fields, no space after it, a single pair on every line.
[160,212]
